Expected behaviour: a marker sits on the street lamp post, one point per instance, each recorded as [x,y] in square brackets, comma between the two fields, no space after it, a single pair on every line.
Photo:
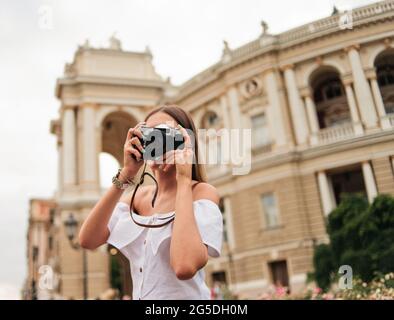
[34,282]
[71,226]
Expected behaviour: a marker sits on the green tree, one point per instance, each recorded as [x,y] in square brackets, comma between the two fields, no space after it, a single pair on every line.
[323,263]
[377,234]
[361,235]
[116,278]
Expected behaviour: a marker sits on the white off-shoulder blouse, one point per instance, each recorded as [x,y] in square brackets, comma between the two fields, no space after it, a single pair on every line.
[148,250]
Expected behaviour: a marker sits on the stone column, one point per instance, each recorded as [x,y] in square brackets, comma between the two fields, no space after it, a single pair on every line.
[384,121]
[369,181]
[224,139]
[89,148]
[236,115]
[69,153]
[312,115]
[351,101]
[362,89]
[296,106]
[275,108]
[325,193]
[60,169]
[226,114]
[392,161]
[229,223]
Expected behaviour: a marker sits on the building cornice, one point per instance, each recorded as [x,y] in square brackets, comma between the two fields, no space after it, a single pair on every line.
[318,29]
[94,80]
[309,153]
[74,102]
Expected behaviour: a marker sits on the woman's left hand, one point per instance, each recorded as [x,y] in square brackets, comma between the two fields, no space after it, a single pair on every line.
[184,157]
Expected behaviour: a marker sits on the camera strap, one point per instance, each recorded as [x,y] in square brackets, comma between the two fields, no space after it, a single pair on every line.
[142,178]
[172,217]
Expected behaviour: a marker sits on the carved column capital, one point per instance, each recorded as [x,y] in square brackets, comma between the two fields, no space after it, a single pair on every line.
[351,47]
[287,67]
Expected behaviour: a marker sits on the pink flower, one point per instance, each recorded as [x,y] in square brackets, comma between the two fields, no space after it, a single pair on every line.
[328,296]
[317,290]
[281,291]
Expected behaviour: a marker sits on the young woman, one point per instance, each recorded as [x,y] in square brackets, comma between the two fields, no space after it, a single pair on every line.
[168,244]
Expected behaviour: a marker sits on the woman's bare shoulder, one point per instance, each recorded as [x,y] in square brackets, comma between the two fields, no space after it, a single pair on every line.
[204,190]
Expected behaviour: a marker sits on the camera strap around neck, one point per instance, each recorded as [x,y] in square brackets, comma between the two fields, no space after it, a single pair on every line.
[140,182]
[142,178]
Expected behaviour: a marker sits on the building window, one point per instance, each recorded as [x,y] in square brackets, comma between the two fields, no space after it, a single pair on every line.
[329,90]
[213,119]
[219,276]
[330,99]
[347,182]
[384,66]
[50,242]
[35,253]
[385,74]
[210,120]
[52,215]
[279,273]
[221,207]
[260,130]
[269,205]
[219,284]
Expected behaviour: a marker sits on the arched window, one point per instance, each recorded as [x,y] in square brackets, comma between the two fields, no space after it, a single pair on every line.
[385,72]
[210,120]
[386,75]
[114,129]
[384,66]
[329,97]
[329,89]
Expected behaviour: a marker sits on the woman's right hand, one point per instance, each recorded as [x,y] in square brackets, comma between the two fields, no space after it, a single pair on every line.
[132,152]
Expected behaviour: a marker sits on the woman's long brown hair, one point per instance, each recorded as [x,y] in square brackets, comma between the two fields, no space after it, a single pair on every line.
[185,120]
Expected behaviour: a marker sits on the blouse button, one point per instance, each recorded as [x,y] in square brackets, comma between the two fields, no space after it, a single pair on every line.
[140,269]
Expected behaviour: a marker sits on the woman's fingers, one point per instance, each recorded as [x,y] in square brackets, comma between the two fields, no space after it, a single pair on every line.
[136,142]
[184,156]
[134,131]
[129,134]
[137,132]
[179,156]
[132,151]
[186,137]
[133,140]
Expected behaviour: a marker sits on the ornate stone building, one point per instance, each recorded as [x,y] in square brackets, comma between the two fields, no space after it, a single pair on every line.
[320,102]
[42,250]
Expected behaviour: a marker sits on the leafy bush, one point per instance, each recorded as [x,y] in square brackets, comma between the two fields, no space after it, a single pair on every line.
[323,262]
[380,288]
[361,236]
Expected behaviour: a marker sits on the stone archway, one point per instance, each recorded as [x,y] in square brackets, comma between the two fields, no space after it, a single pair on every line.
[384,67]
[114,129]
[329,97]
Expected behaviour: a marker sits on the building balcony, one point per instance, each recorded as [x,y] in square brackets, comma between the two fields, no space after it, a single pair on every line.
[335,133]
[390,117]
[344,131]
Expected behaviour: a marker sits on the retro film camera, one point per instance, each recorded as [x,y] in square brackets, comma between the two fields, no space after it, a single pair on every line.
[159,140]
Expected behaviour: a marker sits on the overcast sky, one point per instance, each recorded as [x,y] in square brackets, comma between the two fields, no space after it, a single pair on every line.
[185,37]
